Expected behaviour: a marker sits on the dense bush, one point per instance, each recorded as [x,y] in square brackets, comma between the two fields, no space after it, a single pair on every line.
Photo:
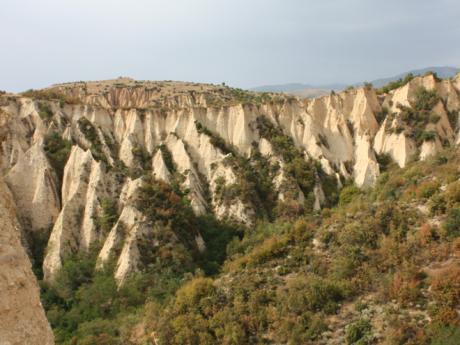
[348,194]
[359,333]
[217,235]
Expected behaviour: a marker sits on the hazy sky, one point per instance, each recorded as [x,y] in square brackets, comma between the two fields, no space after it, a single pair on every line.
[242,42]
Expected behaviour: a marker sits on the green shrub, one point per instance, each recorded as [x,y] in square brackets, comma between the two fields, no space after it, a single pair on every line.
[109,215]
[217,235]
[215,139]
[416,118]
[50,95]
[453,118]
[427,189]
[300,169]
[451,225]
[452,194]
[347,194]
[428,136]
[359,333]
[425,100]
[143,157]
[91,134]
[438,204]
[384,160]
[191,296]
[444,335]
[168,159]
[98,332]
[396,84]
[446,287]
[37,242]
[45,112]
[57,151]
[381,115]
[314,293]
[76,270]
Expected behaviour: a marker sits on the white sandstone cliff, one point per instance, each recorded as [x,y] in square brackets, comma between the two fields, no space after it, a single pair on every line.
[345,133]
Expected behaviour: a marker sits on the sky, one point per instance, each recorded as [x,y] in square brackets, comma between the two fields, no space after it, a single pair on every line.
[245,43]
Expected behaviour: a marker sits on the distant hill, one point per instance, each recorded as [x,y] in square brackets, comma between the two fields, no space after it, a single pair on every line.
[442,72]
[312,90]
[301,90]
[291,87]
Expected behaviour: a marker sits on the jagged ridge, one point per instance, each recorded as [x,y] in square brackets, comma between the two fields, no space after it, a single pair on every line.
[209,142]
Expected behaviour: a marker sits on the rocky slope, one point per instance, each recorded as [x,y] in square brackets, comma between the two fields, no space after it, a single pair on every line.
[117,132]
[22,318]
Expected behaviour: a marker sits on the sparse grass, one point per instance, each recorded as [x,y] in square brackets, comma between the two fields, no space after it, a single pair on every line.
[50,95]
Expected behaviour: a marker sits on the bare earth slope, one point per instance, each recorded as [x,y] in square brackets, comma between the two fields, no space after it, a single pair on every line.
[22,318]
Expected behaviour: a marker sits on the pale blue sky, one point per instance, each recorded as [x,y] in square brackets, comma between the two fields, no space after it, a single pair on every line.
[242,42]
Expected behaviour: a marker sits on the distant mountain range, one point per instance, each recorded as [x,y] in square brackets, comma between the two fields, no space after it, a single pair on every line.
[442,72]
[291,87]
[312,90]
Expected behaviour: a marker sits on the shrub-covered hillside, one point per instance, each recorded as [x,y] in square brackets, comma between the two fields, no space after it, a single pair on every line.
[183,213]
[381,267]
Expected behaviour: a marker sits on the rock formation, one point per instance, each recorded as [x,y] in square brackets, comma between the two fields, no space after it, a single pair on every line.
[205,140]
[22,319]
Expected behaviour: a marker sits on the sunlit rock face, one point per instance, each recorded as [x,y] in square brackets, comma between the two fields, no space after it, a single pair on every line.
[185,135]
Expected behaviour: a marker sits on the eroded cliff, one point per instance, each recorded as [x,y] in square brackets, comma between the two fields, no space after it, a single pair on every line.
[69,151]
[22,317]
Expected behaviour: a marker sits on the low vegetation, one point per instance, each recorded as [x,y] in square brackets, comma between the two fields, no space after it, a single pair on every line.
[85,305]
[108,215]
[284,281]
[91,135]
[396,84]
[57,151]
[304,172]
[50,95]
[414,120]
[45,112]
[373,265]
[216,140]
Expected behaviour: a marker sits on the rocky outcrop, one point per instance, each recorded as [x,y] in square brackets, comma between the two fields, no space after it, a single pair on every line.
[202,139]
[22,319]
[121,243]
[34,185]
[82,189]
